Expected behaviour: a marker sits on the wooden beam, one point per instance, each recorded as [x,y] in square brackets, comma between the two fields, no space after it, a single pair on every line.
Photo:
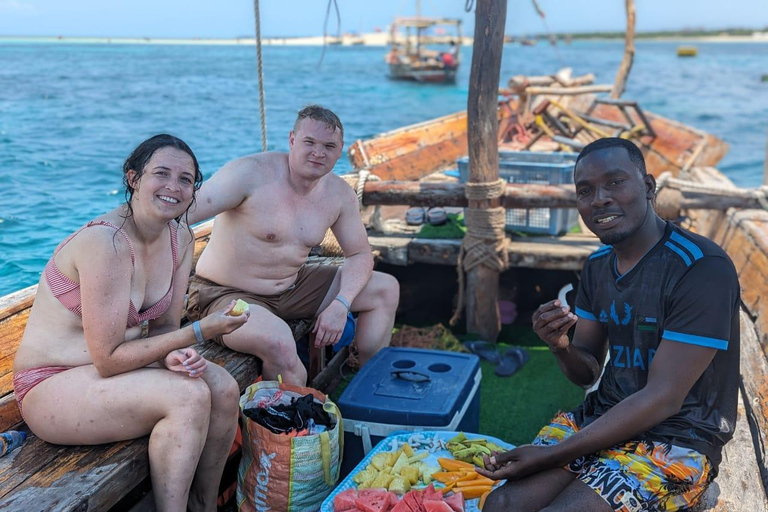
[629,53]
[415,193]
[412,193]
[482,123]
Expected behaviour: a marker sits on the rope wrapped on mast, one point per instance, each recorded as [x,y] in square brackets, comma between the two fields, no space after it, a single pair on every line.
[483,225]
[262,107]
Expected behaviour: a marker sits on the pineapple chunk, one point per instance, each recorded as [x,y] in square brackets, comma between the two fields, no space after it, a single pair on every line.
[400,463]
[407,450]
[411,473]
[382,481]
[399,485]
[381,460]
[368,473]
[418,456]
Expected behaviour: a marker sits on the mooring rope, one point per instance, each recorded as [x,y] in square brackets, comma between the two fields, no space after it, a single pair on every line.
[262,107]
[485,242]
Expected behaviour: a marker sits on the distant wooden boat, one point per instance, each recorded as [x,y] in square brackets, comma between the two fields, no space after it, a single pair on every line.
[687,51]
[527,42]
[410,58]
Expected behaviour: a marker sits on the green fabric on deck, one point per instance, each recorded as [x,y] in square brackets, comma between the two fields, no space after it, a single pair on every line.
[515,408]
[453,228]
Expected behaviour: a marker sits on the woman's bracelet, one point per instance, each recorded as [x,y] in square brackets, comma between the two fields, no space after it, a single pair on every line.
[198,332]
[341,299]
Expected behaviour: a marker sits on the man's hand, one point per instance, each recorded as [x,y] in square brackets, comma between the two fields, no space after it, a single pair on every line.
[518,463]
[330,324]
[186,360]
[551,323]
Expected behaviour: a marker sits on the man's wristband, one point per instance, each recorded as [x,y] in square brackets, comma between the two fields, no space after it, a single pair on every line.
[198,332]
[341,299]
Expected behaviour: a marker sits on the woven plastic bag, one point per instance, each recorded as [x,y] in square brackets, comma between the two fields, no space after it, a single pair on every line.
[282,473]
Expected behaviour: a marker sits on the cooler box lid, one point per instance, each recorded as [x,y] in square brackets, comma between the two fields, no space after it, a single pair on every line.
[407,386]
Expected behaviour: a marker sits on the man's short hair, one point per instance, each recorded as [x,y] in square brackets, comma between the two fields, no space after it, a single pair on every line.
[635,156]
[322,114]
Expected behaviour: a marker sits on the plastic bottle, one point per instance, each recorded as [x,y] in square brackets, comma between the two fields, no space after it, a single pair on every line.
[10,441]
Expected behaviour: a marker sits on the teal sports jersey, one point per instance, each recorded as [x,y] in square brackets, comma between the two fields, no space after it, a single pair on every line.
[685,290]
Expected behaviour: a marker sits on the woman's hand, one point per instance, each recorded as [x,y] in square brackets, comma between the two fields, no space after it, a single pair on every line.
[186,360]
[221,322]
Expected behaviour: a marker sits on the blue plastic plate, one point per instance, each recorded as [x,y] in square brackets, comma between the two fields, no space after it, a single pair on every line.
[386,445]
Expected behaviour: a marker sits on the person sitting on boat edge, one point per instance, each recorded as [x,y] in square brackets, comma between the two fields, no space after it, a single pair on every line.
[664,304]
[271,209]
[83,375]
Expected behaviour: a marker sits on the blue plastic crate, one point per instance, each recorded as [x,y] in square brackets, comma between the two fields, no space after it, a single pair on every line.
[406,389]
[534,168]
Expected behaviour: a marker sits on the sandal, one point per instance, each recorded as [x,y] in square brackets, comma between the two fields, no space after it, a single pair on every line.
[415,216]
[512,359]
[437,216]
[483,349]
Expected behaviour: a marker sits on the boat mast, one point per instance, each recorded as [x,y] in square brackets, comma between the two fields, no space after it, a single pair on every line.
[418,29]
[483,250]
[629,53]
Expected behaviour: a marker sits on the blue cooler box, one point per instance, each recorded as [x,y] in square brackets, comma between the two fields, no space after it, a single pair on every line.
[406,389]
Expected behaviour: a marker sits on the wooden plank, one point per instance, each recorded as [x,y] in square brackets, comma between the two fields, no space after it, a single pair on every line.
[735,488]
[754,374]
[82,478]
[556,253]
[392,250]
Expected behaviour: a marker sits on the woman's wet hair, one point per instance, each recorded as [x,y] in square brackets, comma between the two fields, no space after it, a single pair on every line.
[140,157]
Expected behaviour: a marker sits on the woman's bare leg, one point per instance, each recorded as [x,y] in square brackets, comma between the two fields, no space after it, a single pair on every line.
[79,407]
[225,394]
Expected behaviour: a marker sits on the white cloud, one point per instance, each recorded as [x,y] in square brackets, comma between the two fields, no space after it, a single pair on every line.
[16,5]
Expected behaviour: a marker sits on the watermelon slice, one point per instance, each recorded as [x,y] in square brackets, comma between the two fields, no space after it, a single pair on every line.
[345,501]
[375,500]
[437,506]
[429,493]
[414,501]
[455,501]
[401,506]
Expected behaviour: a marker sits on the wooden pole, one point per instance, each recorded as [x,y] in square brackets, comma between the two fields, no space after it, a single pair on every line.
[765,164]
[482,127]
[629,53]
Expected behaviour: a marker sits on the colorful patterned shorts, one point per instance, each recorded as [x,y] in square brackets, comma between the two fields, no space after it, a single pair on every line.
[637,475]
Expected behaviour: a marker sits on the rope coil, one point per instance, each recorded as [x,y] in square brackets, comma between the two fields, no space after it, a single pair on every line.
[485,242]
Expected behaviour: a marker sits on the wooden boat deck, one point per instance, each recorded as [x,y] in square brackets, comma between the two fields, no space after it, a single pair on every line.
[567,252]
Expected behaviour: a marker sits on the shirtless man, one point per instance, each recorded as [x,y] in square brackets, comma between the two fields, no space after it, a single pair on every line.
[271,209]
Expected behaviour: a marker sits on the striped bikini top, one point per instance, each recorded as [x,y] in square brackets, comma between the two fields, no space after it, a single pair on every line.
[68,291]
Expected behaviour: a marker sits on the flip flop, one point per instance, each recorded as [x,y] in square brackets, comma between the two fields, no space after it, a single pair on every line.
[415,216]
[437,216]
[512,359]
[484,349]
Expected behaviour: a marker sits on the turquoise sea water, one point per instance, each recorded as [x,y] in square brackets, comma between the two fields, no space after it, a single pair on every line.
[71,113]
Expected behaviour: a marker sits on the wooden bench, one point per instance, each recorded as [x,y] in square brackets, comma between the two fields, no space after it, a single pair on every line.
[44,477]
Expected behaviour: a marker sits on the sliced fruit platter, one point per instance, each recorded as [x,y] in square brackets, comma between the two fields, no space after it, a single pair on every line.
[432,471]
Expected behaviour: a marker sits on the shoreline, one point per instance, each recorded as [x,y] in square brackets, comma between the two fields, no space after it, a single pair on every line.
[376,39]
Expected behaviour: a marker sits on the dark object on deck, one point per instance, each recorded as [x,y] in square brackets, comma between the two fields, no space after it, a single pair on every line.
[285,418]
[484,350]
[512,359]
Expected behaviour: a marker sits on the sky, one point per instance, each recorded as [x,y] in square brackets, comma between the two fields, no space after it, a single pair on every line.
[284,18]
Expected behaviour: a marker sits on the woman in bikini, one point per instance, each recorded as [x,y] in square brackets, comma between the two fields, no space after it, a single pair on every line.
[84,375]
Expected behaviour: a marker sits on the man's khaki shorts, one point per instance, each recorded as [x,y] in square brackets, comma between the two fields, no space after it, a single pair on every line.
[299,301]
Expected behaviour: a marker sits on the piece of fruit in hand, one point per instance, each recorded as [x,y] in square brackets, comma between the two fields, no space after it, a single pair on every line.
[240,307]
